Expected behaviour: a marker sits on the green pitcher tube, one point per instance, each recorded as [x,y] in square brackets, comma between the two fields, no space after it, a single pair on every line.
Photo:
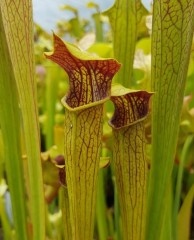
[90,85]
[129,155]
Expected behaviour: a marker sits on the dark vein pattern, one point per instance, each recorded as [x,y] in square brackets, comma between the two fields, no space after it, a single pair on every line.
[130,108]
[90,80]
[172,36]
[131,177]
[83,131]
[130,161]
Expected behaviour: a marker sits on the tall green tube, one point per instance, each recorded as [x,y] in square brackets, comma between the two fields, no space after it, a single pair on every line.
[129,155]
[90,82]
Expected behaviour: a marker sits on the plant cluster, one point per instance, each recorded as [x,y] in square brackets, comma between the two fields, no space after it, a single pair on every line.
[101,146]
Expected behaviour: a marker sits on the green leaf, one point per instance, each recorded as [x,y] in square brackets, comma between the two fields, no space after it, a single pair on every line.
[167,226]
[76,29]
[64,204]
[145,45]
[129,155]
[2,156]
[97,21]
[53,76]
[171,44]
[184,216]
[124,18]
[101,49]
[101,208]
[184,156]
[17,18]
[10,127]
[98,26]
[90,82]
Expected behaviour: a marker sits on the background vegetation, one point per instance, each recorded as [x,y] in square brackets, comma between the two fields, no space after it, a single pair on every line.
[33,190]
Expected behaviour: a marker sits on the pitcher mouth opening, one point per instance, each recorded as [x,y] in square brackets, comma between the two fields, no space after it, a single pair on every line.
[82,107]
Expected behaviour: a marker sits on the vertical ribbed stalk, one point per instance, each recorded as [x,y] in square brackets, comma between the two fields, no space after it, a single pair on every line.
[125,16]
[82,154]
[64,203]
[177,198]
[17,19]
[90,82]
[101,211]
[129,155]
[10,127]
[51,97]
[98,27]
[172,36]
[184,216]
[117,215]
[131,175]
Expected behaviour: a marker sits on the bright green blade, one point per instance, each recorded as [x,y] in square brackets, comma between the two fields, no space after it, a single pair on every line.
[17,18]
[98,27]
[101,209]
[184,216]
[125,15]
[53,76]
[177,198]
[171,44]
[10,127]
